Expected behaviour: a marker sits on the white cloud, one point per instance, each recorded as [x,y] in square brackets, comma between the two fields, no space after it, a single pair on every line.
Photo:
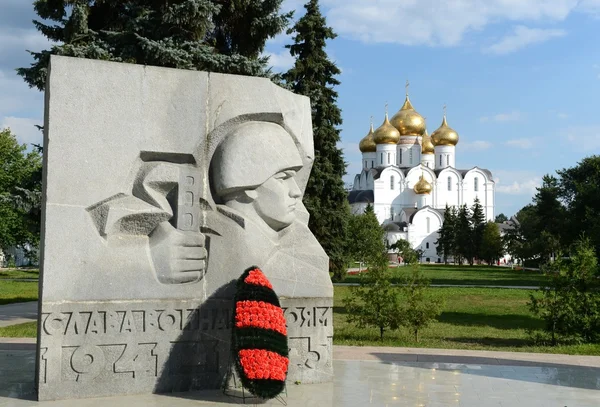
[24,129]
[521,37]
[516,182]
[583,138]
[477,145]
[502,117]
[562,115]
[435,22]
[281,61]
[524,143]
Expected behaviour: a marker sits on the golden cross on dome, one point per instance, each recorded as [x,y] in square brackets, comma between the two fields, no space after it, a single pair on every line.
[445,110]
[406,86]
[386,108]
[371,121]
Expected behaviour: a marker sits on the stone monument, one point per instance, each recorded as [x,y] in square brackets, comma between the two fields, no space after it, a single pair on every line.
[161,187]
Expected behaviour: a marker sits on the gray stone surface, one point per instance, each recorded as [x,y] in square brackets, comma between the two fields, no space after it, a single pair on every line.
[161,187]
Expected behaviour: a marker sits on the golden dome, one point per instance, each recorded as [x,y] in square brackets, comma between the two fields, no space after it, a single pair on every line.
[422,186]
[408,121]
[444,135]
[367,144]
[386,133]
[427,145]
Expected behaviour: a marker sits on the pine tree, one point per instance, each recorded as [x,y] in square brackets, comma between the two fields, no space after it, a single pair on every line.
[477,226]
[313,75]
[211,35]
[445,242]
[463,238]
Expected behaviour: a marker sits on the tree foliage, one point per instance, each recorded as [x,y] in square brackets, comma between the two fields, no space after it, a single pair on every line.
[375,303]
[314,75]
[367,236]
[404,250]
[492,246]
[500,218]
[564,206]
[212,35]
[20,190]
[445,245]
[419,308]
[570,303]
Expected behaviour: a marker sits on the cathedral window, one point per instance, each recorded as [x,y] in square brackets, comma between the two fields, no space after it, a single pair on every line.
[400,158]
[449,183]
[392,182]
[427,245]
[447,160]
[440,160]
[372,163]
[410,156]
[476,184]
[428,225]
[381,158]
[392,213]
[388,158]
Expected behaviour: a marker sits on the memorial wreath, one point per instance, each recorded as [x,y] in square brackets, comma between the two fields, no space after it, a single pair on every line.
[260,343]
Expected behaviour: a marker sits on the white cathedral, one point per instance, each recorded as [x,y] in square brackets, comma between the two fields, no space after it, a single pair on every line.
[409,177]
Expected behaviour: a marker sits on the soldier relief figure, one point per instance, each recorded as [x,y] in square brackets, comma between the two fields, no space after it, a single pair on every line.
[246,215]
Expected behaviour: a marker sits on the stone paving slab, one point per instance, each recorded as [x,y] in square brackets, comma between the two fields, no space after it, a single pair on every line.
[364,377]
[18,313]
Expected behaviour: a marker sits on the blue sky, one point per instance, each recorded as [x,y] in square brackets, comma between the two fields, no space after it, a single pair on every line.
[521,78]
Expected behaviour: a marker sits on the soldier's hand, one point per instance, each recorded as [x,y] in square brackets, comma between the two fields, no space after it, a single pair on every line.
[179,257]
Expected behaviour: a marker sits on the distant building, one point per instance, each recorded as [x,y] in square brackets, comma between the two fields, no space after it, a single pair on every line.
[409,177]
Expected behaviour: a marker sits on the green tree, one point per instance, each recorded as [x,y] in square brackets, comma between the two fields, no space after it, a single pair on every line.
[463,237]
[211,35]
[570,303]
[419,308]
[404,250]
[513,242]
[367,236]
[375,303]
[477,221]
[579,191]
[492,247]
[501,218]
[314,75]
[445,242]
[20,188]
[550,215]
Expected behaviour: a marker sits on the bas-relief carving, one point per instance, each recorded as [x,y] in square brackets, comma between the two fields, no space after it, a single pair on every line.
[199,218]
[249,207]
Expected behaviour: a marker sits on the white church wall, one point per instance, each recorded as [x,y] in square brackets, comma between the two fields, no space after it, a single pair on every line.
[476,184]
[423,233]
[388,192]
[369,160]
[386,154]
[448,188]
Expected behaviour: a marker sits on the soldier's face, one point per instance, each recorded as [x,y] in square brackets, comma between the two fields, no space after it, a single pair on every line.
[276,200]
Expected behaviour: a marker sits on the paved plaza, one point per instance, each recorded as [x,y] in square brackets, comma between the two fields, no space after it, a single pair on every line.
[373,376]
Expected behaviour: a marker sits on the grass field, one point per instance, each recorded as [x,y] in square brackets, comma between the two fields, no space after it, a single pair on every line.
[19,273]
[18,291]
[472,275]
[26,330]
[472,318]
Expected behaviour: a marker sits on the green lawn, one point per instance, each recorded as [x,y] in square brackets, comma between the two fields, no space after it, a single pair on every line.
[18,291]
[472,318]
[473,275]
[26,330]
[19,273]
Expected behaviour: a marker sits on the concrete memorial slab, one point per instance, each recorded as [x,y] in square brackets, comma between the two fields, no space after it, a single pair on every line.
[161,187]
